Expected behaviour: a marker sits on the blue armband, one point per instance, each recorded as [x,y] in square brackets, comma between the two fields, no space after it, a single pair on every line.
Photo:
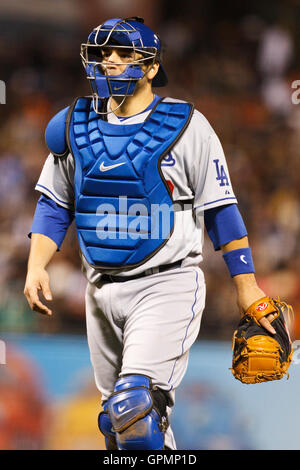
[224,224]
[239,261]
[51,220]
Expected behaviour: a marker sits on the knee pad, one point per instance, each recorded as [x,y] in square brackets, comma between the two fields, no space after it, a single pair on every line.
[138,414]
[105,426]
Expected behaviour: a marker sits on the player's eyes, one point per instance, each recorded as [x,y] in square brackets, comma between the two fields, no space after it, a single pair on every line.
[123,55]
[104,55]
[127,54]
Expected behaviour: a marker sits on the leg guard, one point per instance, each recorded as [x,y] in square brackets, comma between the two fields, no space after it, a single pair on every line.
[105,426]
[138,414]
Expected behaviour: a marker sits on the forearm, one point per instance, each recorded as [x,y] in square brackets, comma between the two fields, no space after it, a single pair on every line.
[42,250]
[235,245]
[48,230]
[245,284]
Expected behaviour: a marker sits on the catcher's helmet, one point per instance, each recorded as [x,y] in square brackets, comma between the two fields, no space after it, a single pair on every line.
[129,33]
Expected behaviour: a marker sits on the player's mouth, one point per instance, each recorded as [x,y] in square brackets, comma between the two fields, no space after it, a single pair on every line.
[113,70]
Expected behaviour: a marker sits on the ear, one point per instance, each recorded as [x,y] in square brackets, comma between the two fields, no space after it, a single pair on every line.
[153,71]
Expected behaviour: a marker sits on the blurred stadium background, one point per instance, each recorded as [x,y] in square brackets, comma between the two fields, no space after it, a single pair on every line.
[236,61]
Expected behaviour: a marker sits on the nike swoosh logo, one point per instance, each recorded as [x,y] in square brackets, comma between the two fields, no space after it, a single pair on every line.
[121,408]
[110,167]
[242,258]
[119,88]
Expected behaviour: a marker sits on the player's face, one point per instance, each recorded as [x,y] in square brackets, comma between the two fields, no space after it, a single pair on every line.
[115,59]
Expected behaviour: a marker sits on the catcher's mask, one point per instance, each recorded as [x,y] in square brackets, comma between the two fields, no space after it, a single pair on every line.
[131,34]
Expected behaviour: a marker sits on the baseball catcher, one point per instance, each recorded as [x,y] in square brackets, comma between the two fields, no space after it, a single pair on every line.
[142,176]
[259,355]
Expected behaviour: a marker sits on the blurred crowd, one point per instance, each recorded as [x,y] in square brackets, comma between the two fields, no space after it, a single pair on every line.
[238,71]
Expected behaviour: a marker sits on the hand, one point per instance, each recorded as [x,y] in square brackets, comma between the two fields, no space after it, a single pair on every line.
[38,279]
[246,296]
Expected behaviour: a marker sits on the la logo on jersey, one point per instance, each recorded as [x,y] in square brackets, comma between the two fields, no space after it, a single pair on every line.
[221,174]
[168,160]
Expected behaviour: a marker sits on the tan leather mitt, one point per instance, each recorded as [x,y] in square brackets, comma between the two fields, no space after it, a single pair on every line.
[260,356]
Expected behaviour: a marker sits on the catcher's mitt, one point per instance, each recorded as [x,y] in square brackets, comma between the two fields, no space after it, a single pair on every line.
[260,356]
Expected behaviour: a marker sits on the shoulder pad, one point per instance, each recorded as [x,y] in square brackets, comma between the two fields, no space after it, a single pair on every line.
[167,99]
[55,135]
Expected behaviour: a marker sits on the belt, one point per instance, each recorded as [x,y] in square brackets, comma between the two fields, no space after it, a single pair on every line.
[148,272]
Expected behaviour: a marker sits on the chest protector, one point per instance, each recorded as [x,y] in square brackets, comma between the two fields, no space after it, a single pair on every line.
[124,210]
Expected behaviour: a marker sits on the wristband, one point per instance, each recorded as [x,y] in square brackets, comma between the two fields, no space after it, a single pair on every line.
[239,261]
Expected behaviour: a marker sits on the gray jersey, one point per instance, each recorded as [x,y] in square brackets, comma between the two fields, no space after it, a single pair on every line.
[196,168]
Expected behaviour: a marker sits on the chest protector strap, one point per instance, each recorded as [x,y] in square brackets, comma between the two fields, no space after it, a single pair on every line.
[124,210]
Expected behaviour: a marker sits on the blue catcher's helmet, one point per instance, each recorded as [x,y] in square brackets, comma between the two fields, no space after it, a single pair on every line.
[129,33]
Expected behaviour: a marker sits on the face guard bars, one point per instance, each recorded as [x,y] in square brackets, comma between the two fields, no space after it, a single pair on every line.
[119,34]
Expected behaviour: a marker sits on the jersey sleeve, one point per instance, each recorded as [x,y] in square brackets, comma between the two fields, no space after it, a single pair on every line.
[57,180]
[210,176]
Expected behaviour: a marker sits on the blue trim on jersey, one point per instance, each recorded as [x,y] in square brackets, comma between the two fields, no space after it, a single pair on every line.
[217,200]
[187,328]
[224,224]
[51,220]
[151,106]
[52,194]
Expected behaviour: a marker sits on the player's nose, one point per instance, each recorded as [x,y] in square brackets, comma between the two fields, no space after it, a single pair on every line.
[112,57]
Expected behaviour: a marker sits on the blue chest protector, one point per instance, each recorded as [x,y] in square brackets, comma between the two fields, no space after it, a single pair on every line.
[124,210]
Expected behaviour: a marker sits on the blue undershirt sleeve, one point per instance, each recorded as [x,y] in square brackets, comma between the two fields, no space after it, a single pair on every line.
[51,220]
[224,224]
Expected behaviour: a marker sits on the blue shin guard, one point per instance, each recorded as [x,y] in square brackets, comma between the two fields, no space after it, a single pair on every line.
[137,424]
[105,426]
